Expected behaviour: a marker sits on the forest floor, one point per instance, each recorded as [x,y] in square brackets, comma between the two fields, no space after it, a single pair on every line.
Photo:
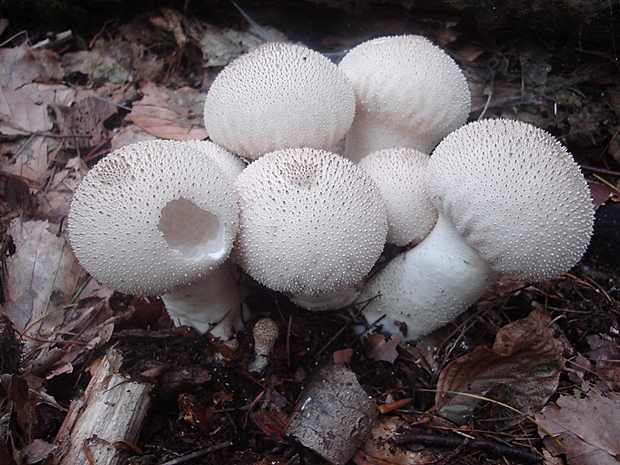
[72,91]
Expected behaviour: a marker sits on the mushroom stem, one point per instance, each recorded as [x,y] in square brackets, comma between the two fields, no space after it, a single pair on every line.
[427,286]
[213,304]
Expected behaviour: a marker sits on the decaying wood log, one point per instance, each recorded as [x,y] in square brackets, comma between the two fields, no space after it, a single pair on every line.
[108,415]
[334,416]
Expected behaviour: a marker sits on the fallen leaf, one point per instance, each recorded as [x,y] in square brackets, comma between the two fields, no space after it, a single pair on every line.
[589,429]
[170,114]
[42,266]
[522,369]
[194,412]
[55,200]
[601,193]
[270,419]
[606,356]
[381,349]
[84,120]
[22,65]
[221,46]
[23,112]
[108,61]
[343,357]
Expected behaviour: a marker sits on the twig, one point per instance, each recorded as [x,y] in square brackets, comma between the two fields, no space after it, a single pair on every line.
[200,453]
[481,444]
[600,170]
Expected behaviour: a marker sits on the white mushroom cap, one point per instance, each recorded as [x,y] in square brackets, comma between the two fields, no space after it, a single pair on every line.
[228,162]
[399,174]
[152,217]
[279,96]
[311,222]
[511,201]
[409,93]
[515,194]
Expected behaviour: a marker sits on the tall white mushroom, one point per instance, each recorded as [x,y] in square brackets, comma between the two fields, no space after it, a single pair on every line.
[399,174]
[279,96]
[408,92]
[154,217]
[511,201]
[312,224]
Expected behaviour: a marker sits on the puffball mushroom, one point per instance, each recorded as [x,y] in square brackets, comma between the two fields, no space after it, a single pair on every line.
[408,91]
[279,96]
[511,201]
[154,217]
[228,162]
[312,224]
[399,174]
[265,332]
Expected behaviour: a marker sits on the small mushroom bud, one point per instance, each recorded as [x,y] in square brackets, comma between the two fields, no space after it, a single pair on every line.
[265,333]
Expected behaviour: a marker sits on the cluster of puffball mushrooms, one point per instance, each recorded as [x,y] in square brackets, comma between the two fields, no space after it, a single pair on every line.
[274,194]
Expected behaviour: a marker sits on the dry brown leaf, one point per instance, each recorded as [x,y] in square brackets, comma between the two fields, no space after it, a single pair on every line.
[83,119]
[589,429]
[24,113]
[343,357]
[606,356]
[601,193]
[104,63]
[522,369]
[381,349]
[55,200]
[21,65]
[42,270]
[170,114]
[172,21]
[221,46]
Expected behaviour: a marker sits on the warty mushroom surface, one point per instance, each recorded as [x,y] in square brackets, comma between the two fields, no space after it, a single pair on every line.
[279,96]
[399,174]
[511,201]
[154,217]
[408,92]
[312,224]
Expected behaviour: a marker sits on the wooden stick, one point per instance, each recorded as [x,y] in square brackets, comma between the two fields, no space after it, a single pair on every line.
[111,411]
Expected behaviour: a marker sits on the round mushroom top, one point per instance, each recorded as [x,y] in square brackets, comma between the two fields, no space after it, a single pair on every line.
[408,92]
[279,96]
[228,162]
[399,174]
[515,194]
[152,217]
[311,222]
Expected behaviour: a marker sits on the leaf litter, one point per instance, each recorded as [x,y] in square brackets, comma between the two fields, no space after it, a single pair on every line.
[61,111]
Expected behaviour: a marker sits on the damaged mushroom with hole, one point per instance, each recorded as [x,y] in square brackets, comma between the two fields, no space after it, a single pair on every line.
[159,218]
[511,201]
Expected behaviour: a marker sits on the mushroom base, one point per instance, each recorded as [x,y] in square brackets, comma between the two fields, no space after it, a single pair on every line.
[427,286]
[214,304]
